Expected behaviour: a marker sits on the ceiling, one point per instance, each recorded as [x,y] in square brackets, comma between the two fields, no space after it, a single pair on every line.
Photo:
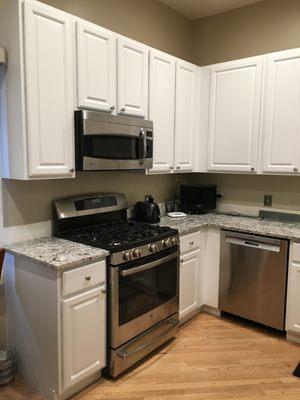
[194,9]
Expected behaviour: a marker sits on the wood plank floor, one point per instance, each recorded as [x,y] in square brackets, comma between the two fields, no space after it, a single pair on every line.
[211,359]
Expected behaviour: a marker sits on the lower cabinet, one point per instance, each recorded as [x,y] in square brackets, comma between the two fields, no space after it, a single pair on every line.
[188,295]
[293,293]
[84,335]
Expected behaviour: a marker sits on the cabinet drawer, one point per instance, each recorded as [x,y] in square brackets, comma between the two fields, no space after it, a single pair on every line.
[189,242]
[83,278]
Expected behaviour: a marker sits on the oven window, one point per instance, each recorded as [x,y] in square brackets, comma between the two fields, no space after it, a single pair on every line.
[143,291]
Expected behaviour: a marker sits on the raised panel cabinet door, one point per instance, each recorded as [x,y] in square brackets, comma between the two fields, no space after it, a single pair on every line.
[234,113]
[132,78]
[162,109]
[97,70]
[185,118]
[281,112]
[84,335]
[50,80]
[293,299]
[188,288]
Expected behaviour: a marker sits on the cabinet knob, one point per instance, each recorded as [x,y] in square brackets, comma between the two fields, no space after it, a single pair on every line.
[252,168]
[123,109]
[296,169]
[72,170]
[87,278]
[112,108]
[181,260]
[178,167]
[191,243]
[104,291]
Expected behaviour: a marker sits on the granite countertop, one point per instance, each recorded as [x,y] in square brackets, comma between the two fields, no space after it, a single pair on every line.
[192,223]
[57,253]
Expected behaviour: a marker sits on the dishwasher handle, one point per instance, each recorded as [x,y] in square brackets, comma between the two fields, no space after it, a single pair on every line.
[253,244]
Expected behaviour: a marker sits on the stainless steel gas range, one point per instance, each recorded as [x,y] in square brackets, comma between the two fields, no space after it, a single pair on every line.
[143,273]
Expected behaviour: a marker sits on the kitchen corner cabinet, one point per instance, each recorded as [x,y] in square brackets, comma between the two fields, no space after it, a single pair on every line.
[162,108]
[280,113]
[38,95]
[59,333]
[132,77]
[185,118]
[234,113]
[97,68]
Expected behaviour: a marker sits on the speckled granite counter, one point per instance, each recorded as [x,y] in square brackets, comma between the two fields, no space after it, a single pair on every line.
[57,253]
[192,223]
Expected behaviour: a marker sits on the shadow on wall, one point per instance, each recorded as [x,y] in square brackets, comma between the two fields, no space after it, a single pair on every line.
[26,202]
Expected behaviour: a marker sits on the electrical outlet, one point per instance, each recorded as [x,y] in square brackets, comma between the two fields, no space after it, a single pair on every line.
[220,195]
[268,199]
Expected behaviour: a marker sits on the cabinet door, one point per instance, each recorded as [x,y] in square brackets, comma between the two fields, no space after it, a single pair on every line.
[235,97]
[49,60]
[84,335]
[281,112]
[132,78]
[185,119]
[161,108]
[293,299]
[97,71]
[188,287]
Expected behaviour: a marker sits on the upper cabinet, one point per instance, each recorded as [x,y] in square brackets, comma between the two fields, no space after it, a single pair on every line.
[132,78]
[281,113]
[162,108]
[234,111]
[49,66]
[185,118]
[96,67]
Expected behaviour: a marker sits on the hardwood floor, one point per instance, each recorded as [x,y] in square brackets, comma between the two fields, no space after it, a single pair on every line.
[211,359]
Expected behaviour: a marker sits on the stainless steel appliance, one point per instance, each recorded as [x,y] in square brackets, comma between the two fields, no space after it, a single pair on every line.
[198,199]
[253,277]
[143,273]
[112,142]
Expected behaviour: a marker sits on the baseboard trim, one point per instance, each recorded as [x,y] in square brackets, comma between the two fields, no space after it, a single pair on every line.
[293,336]
[211,310]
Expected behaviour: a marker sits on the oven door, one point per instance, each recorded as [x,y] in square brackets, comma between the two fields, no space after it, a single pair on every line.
[143,294]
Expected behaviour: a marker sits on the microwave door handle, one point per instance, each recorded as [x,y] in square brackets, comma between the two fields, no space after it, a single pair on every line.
[143,137]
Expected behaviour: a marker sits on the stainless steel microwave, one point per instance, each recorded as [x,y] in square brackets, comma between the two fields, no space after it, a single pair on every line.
[112,142]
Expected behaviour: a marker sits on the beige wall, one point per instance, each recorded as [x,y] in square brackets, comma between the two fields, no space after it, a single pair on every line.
[147,21]
[268,26]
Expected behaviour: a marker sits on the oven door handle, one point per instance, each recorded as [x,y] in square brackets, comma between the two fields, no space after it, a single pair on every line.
[153,264]
[126,354]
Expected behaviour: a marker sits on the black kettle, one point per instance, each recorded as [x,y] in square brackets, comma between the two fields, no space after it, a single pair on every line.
[146,211]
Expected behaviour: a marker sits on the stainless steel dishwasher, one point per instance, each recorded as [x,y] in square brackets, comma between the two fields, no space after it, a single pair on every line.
[253,277]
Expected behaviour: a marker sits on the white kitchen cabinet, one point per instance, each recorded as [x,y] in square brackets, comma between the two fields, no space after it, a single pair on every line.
[132,78]
[185,118]
[188,295]
[50,75]
[281,116]
[293,294]
[162,108]
[234,112]
[84,335]
[97,69]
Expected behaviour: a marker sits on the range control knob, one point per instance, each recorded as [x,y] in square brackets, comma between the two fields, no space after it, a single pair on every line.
[167,243]
[174,241]
[137,253]
[127,256]
[153,248]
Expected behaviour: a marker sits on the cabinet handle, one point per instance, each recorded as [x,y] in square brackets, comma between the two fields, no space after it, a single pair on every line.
[87,278]
[123,109]
[112,108]
[104,291]
[72,170]
[296,169]
[191,243]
